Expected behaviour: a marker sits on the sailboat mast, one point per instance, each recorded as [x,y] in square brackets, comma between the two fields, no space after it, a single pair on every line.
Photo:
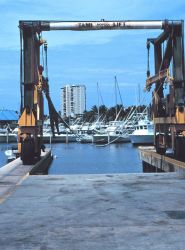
[139,94]
[98,102]
[115,85]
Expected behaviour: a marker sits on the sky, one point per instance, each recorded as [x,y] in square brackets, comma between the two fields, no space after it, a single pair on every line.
[84,57]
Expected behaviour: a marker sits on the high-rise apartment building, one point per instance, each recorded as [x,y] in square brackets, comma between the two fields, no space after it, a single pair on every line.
[73,100]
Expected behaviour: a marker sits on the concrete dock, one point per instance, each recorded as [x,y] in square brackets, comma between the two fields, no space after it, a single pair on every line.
[156,162]
[12,174]
[110,212]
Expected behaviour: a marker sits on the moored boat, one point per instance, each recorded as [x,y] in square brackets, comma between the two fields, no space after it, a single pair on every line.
[143,133]
[47,138]
[84,138]
[6,136]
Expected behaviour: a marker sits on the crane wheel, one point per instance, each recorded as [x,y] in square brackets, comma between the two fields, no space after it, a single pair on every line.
[27,152]
[180,148]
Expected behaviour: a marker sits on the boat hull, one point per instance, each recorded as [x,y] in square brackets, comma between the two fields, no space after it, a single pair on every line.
[6,139]
[110,139]
[142,139]
[85,139]
[59,138]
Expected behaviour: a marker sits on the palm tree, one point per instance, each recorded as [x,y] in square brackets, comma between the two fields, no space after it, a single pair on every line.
[111,114]
[95,112]
[94,109]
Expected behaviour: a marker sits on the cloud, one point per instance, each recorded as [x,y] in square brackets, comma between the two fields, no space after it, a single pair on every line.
[113,71]
[75,54]
[60,39]
[13,11]
[121,84]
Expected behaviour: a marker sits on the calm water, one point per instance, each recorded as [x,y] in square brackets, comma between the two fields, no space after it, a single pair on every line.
[75,158]
[3,147]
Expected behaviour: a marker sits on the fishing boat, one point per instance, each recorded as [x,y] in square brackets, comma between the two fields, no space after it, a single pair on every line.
[116,137]
[6,136]
[65,134]
[67,137]
[113,133]
[143,133]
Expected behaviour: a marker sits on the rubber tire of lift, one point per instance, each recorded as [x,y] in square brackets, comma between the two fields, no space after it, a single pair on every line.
[180,148]
[159,150]
[27,152]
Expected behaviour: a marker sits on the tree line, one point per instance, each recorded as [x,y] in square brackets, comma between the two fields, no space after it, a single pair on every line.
[107,114]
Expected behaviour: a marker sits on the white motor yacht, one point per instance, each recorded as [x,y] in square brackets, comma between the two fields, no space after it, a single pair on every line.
[143,133]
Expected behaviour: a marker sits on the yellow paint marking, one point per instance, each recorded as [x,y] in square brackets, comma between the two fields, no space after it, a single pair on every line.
[13,188]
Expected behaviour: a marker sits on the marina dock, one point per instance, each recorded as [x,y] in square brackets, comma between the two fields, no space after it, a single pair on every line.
[113,211]
[13,174]
[159,163]
[96,194]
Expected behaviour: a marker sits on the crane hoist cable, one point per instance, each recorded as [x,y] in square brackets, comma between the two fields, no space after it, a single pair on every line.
[148,59]
[21,70]
[55,118]
[42,50]
[46,58]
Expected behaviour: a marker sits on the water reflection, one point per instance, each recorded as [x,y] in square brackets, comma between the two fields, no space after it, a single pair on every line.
[74,158]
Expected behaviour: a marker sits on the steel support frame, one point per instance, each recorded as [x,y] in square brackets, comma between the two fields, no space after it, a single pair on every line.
[172,30]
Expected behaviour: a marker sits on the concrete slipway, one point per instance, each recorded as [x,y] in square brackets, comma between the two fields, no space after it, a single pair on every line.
[120,211]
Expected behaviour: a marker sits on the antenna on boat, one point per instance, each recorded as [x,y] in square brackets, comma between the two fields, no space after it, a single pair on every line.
[98,102]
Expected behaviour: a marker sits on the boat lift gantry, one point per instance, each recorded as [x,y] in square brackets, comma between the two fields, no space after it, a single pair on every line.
[168,113]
